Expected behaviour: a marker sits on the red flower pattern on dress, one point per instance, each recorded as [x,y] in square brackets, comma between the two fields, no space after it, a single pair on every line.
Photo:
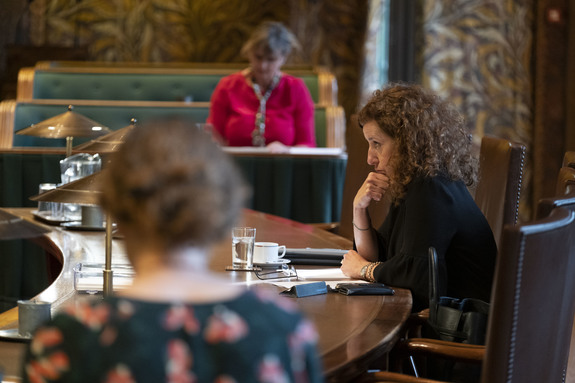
[108,335]
[225,326]
[120,374]
[225,379]
[285,304]
[46,364]
[180,316]
[48,367]
[179,363]
[303,336]
[125,309]
[91,316]
[45,337]
[270,370]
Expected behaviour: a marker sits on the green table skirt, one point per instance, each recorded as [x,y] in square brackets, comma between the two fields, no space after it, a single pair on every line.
[304,189]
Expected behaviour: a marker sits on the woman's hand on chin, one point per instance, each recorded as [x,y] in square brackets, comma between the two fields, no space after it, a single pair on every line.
[373,189]
[277,147]
[352,263]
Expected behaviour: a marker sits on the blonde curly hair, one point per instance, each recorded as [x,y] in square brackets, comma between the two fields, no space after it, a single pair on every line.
[170,184]
[429,134]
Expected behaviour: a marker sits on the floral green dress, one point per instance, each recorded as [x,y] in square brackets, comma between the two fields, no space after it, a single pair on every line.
[256,337]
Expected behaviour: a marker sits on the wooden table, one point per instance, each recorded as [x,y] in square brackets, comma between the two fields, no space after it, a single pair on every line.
[353,331]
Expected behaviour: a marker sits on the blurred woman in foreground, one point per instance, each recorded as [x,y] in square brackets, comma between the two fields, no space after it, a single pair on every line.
[174,194]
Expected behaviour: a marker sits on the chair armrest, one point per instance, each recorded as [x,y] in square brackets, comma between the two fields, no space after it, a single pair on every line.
[393,377]
[423,315]
[414,323]
[469,353]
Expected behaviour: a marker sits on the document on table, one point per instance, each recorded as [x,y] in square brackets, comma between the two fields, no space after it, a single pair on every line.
[331,276]
[321,151]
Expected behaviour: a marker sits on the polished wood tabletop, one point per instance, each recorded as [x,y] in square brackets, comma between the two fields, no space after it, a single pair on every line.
[353,331]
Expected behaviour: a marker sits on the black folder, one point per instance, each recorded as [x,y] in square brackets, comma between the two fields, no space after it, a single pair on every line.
[320,257]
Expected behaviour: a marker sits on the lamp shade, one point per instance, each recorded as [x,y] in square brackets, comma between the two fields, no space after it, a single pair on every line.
[84,191]
[108,143]
[68,124]
[14,227]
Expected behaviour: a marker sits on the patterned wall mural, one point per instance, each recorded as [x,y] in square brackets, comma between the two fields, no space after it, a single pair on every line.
[477,54]
[330,31]
[152,30]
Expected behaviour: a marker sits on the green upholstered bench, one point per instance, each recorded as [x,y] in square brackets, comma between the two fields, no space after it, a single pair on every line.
[148,83]
[14,116]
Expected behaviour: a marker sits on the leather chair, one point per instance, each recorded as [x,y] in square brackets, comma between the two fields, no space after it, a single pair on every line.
[565,198]
[498,190]
[565,180]
[532,308]
[565,194]
[569,159]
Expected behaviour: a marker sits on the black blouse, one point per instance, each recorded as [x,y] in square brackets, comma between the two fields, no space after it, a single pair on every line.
[438,212]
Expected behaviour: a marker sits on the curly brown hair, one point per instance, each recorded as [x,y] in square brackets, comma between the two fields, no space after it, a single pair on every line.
[429,134]
[173,186]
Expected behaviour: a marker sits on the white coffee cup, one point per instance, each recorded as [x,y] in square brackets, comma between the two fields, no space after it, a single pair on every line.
[268,252]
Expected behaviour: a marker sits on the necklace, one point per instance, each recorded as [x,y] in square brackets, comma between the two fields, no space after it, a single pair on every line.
[258,138]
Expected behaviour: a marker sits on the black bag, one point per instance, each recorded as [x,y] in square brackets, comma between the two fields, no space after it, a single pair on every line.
[451,319]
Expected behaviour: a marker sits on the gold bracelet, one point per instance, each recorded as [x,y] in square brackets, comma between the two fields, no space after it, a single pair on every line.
[359,228]
[369,271]
[364,270]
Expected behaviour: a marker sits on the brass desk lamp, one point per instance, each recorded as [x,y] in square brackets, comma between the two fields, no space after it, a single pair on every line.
[85,191]
[66,125]
[109,142]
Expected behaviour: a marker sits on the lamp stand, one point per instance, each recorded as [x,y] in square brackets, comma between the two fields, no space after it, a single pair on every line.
[69,140]
[108,273]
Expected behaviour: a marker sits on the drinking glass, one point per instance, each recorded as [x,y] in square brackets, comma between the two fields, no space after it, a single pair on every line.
[243,239]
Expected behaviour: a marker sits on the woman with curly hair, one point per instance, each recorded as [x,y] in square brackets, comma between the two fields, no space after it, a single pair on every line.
[174,194]
[422,162]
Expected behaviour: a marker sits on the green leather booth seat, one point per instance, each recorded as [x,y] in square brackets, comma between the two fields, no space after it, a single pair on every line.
[14,116]
[148,84]
[303,188]
[45,64]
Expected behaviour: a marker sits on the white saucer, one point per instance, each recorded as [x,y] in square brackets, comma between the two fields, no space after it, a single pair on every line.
[50,220]
[279,262]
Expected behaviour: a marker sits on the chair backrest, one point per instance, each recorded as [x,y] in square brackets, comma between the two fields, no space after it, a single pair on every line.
[565,180]
[498,190]
[533,301]
[565,194]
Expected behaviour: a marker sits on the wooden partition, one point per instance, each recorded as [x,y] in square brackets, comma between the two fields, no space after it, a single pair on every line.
[14,116]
